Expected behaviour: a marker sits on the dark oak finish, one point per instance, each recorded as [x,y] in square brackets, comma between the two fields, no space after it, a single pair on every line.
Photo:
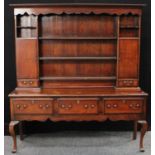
[77,62]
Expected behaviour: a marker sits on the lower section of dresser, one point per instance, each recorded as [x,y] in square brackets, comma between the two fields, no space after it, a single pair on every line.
[78,109]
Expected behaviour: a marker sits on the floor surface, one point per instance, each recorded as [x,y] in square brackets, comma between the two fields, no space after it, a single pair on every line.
[80,143]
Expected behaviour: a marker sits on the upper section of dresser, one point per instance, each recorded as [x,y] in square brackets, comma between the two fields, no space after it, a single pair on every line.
[77,45]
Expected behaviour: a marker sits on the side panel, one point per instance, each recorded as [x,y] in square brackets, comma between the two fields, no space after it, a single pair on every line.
[27,61]
[128,68]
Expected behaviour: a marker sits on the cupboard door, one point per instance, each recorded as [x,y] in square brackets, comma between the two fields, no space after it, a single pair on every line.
[26,59]
[128,68]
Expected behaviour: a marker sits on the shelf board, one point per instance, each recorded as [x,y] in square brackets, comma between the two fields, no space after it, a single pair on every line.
[26,27]
[78,78]
[77,38]
[129,27]
[129,37]
[77,58]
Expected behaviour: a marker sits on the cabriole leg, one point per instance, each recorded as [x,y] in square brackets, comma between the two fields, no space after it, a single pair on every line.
[12,133]
[144,127]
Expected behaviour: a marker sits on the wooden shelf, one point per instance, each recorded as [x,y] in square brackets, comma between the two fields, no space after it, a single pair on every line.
[129,27]
[78,78]
[26,27]
[129,37]
[78,58]
[77,38]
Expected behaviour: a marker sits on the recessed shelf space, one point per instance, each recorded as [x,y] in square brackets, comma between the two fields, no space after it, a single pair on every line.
[77,38]
[78,26]
[78,78]
[26,27]
[128,32]
[129,21]
[77,58]
[129,27]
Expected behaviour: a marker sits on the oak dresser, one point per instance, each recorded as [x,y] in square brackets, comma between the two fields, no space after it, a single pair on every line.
[77,62]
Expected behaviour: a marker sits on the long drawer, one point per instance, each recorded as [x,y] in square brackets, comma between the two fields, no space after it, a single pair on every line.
[123,105]
[78,106]
[32,106]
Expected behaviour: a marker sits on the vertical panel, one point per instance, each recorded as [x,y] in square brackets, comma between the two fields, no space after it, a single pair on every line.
[128,61]
[26,58]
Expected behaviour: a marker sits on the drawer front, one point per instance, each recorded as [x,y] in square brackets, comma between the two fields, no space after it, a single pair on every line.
[79,106]
[113,106]
[32,106]
[127,83]
[27,83]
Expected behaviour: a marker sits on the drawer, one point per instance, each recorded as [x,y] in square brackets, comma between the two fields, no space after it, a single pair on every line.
[27,83]
[113,106]
[127,83]
[29,106]
[78,106]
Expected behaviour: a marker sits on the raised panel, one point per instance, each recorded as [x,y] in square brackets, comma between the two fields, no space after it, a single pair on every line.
[77,106]
[32,106]
[92,48]
[119,106]
[128,59]
[26,59]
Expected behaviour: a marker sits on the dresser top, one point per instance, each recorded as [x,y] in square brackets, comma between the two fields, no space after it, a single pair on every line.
[75,4]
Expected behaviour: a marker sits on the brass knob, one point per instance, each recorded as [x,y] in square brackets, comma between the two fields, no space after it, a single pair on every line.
[24,82]
[18,106]
[69,106]
[137,105]
[86,106]
[40,105]
[131,105]
[108,106]
[130,82]
[124,82]
[63,106]
[115,105]
[47,105]
[92,105]
[24,105]
[30,82]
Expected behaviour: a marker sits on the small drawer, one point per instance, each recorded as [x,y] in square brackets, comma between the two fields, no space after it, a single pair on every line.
[127,83]
[113,106]
[28,106]
[27,83]
[77,106]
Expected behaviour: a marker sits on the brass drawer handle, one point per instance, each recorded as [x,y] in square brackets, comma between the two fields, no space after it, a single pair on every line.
[47,106]
[18,106]
[137,105]
[30,82]
[130,105]
[69,106]
[85,106]
[24,106]
[40,105]
[115,105]
[24,82]
[108,105]
[130,82]
[62,106]
[93,105]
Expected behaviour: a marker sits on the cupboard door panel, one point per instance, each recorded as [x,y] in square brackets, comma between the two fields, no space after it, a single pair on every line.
[128,59]
[26,58]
